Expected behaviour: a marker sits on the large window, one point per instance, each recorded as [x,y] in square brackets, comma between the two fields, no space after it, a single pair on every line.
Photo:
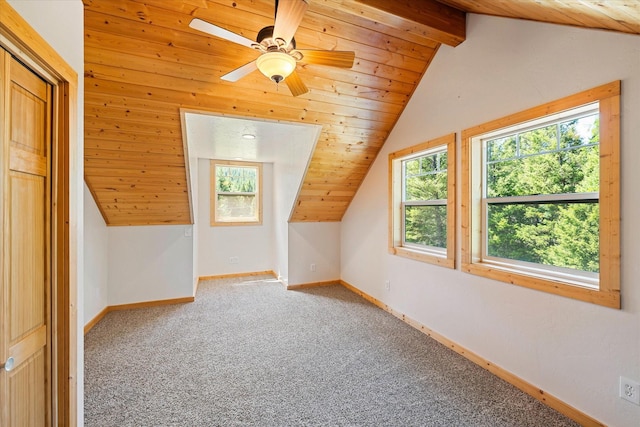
[542,197]
[422,201]
[236,193]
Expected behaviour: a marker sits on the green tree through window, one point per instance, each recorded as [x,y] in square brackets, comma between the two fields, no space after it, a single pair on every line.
[531,179]
[422,201]
[235,195]
[425,200]
[541,197]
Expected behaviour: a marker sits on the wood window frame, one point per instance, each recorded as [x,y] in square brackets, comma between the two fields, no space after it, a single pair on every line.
[19,38]
[395,247]
[608,291]
[213,192]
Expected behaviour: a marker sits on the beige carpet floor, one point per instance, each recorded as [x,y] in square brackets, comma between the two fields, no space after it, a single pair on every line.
[249,353]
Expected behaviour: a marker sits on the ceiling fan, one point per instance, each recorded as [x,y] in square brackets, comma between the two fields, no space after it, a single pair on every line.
[277,46]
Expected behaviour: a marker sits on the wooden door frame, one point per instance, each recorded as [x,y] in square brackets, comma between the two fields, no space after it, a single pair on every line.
[17,36]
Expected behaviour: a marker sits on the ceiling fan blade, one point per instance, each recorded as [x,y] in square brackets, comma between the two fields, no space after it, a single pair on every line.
[214,30]
[240,72]
[288,18]
[342,59]
[295,84]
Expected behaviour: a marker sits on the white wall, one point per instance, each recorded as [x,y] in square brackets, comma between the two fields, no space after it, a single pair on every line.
[288,172]
[573,350]
[285,184]
[66,36]
[195,203]
[96,254]
[252,244]
[287,249]
[283,147]
[124,265]
[149,263]
[316,243]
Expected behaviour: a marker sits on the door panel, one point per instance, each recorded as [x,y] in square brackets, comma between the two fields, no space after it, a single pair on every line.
[27,254]
[28,402]
[25,395]
[28,110]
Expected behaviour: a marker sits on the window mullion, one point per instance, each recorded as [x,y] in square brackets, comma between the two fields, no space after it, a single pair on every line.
[545,198]
[234,193]
[434,202]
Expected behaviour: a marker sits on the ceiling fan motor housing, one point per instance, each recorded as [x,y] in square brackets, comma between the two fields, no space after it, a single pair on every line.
[265,38]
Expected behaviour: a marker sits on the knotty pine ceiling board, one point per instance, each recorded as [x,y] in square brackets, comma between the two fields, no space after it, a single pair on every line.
[616,15]
[143,64]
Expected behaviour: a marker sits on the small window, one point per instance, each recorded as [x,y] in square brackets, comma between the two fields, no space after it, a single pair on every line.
[236,193]
[422,202]
[542,197]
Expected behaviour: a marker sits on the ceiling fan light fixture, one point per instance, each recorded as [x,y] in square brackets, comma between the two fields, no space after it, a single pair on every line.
[277,66]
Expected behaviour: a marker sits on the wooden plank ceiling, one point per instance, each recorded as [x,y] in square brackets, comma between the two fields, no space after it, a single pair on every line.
[615,15]
[143,63]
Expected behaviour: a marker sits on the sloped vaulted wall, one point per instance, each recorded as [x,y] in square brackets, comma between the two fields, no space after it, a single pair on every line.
[571,349]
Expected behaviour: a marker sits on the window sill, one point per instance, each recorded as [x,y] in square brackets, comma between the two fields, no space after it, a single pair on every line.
[583,291]
[424,256]
[234,223]
[568,279]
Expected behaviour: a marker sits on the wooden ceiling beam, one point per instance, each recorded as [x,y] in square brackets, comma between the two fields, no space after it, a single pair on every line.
[439,22]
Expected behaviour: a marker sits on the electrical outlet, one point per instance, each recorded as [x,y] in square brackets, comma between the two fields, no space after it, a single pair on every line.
[387,285]
[312,267]
[234,260]
[630,390]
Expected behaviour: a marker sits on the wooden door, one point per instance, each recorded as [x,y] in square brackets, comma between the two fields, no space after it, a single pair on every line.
[25,312]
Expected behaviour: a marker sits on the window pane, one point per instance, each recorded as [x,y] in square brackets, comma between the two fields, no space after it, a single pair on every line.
[426,225]
[236,207]
[582,131]
[558,234]
[412,167]
[538,140]
[236,179]
[501,148]
[443,161]
[567,171]
[426,187]
[426,178]
[429,164]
